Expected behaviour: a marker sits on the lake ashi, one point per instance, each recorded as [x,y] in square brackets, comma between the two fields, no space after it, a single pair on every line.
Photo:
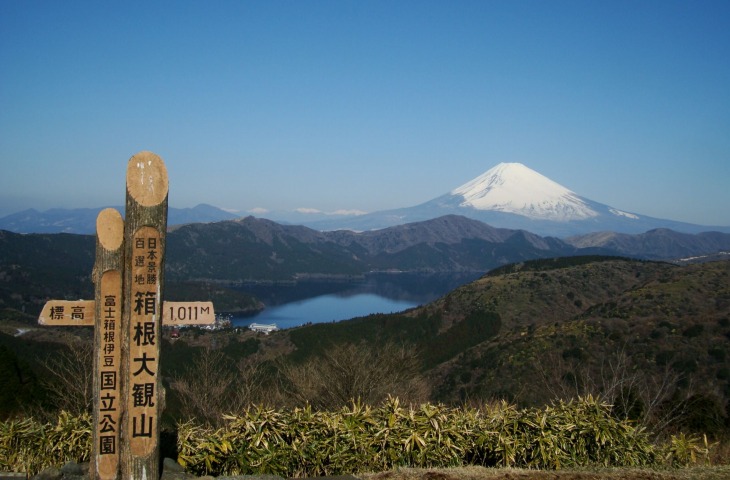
[290,306]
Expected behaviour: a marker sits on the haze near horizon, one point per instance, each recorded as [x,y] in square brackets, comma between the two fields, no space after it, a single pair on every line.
[366,106]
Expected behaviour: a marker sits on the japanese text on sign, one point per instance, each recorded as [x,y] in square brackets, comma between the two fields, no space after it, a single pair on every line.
[109,378]
[143,337]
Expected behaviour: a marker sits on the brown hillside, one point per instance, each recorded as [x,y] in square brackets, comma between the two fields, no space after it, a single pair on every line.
[576,329]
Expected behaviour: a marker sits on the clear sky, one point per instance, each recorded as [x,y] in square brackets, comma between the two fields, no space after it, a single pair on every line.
[366,105]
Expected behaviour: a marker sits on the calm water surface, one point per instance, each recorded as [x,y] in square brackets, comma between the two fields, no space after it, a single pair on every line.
[292,306]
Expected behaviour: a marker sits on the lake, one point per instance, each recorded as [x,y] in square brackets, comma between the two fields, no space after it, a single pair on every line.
[319,302]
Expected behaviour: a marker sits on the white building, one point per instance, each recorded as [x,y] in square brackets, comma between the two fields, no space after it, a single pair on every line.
[260,327]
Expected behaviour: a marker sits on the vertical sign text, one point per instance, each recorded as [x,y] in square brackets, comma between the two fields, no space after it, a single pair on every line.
[108,400]
[143,337]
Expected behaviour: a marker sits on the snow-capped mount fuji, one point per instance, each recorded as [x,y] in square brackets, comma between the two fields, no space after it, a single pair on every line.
[511,195]
[515,188]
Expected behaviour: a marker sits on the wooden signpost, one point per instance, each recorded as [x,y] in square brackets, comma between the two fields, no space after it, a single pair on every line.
[108,268]
[144,256]
[127,313]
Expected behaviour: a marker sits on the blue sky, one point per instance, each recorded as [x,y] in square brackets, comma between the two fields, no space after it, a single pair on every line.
[366,105]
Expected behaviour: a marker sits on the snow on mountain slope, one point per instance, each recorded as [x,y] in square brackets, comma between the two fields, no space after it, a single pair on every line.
[515,188]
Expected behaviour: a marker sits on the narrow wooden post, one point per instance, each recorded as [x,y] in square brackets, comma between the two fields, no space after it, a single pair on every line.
[144,255]
[107,277]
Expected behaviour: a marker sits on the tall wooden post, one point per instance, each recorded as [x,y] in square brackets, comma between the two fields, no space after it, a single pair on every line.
[144,255]
[108,409]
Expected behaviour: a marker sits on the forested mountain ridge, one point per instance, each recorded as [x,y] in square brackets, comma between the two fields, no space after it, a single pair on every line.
[35,267]
[564,328]
[252,248]
[656,244]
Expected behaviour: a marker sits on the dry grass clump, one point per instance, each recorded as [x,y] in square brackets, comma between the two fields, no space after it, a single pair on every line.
[30,446]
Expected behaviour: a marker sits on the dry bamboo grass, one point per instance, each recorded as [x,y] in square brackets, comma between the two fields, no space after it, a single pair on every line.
[577,439]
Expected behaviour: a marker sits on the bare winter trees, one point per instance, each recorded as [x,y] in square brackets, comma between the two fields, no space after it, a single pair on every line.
[360,371]
[657,399]
[69,382]
[212,386]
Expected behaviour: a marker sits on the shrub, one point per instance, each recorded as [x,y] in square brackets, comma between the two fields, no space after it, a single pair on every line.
[29,446]
[684,450]
[304,442]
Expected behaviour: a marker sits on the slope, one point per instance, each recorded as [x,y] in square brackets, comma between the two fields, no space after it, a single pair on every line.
[574,329]
[651,337]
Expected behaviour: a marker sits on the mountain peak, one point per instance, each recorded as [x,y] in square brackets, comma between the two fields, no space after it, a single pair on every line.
[515,188]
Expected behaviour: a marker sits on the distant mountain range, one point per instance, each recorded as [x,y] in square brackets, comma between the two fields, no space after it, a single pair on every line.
[252,248]
[658,244]
[83,220]
[511,195]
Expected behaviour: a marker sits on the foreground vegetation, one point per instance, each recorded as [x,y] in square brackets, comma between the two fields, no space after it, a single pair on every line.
[304,442]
